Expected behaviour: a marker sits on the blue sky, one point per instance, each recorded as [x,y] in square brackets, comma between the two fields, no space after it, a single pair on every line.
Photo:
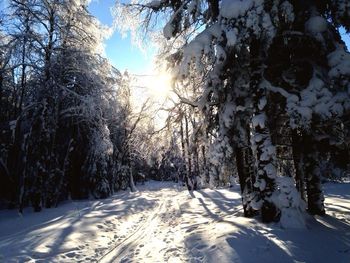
[120,51]
[346,37]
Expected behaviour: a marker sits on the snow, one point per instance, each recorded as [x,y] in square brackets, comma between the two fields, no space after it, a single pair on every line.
[154,4]
[163,222]
[262,103]
[220,53]
[261,184]
[228,114]
[192,6]
[259,120]
[290,203]
[316,24]
[235,8]
[339,61]
[317,98]
[231,36]
[287,12]
[270,170]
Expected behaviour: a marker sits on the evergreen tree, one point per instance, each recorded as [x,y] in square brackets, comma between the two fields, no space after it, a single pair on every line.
[247,51]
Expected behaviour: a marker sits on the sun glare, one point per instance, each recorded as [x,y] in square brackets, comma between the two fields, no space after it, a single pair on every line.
[160,86]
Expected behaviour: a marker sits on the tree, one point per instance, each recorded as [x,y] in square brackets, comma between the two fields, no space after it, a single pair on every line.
[60,98]
[247,52]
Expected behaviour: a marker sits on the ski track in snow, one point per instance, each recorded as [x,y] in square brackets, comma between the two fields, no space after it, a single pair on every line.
[163,222]
[163,216]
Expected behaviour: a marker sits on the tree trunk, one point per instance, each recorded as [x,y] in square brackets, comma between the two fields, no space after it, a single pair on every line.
[190,183]
[246,179]
[183,151]
[298,159]
[132,183]
[315,198]
[205,169]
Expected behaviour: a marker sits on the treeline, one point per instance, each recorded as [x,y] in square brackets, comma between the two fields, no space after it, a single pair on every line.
[264,91]
[68,129]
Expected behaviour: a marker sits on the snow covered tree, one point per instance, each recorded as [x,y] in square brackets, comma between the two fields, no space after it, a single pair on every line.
[252,54]
[60,98]
[171,162]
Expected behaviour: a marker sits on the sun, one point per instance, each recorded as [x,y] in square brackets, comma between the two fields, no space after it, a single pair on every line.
[159,86]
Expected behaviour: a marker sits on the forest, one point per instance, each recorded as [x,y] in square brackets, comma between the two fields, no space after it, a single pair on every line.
[260,99]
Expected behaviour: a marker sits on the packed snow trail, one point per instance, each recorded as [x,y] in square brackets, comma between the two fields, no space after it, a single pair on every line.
[147,231]
[163,222]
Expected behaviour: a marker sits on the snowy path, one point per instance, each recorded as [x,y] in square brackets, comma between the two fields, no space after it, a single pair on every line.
[158,221]
[165,223]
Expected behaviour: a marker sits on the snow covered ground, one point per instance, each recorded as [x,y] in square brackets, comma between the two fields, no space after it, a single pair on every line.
[165,223]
